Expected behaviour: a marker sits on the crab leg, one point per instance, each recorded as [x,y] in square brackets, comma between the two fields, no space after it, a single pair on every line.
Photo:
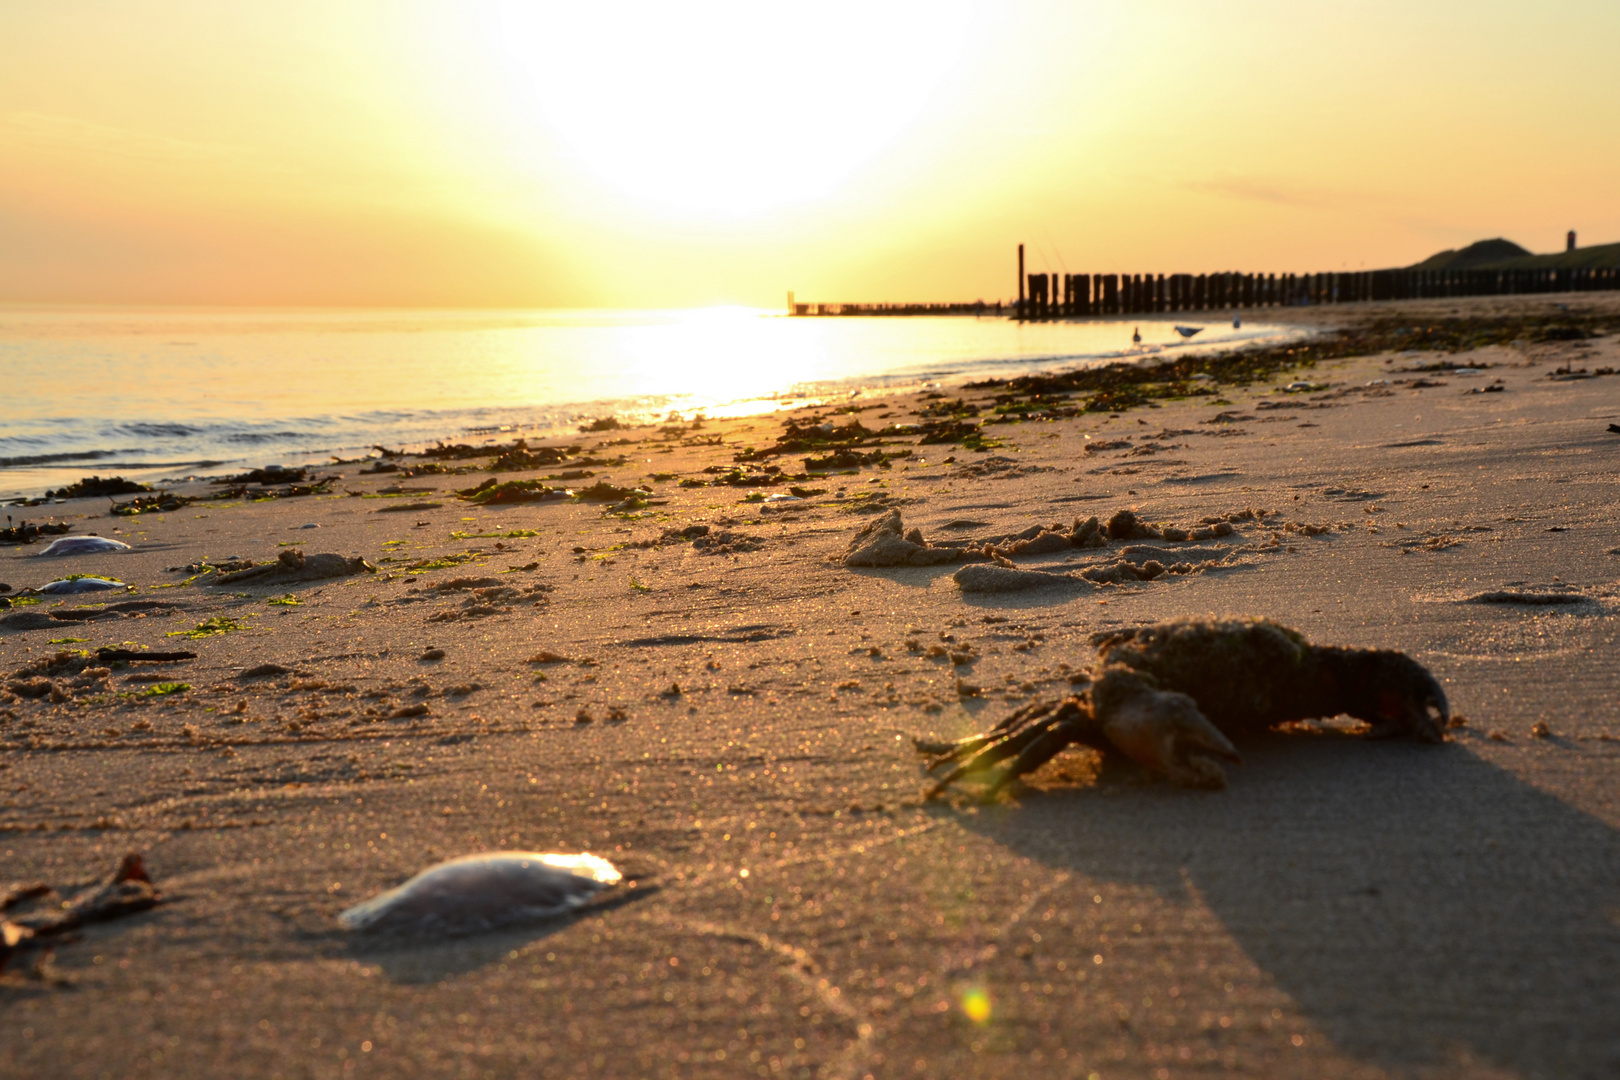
[960,748]
[1059,719]
[1036,754]
[997,750]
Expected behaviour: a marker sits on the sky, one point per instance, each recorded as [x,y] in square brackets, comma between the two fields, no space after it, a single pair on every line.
[496,153]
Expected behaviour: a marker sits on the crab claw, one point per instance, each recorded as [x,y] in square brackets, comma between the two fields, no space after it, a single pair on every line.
[1165,733]
[1411,704]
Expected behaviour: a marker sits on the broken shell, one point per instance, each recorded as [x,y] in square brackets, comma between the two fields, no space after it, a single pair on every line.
[480,892]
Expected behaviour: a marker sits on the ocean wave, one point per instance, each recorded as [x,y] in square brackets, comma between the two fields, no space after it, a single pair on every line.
[160,431]
[251,437]
[25,460]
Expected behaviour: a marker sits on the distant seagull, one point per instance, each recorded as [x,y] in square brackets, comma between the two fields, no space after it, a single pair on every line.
[1136,336]
[1237,322]
[1188,331]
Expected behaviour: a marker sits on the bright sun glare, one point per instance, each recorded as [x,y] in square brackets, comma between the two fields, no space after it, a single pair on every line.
[730,108]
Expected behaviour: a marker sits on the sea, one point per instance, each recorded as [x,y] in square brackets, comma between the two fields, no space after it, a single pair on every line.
[165,394]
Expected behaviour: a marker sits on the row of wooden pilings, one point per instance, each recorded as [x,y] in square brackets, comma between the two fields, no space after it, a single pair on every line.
[1057,296]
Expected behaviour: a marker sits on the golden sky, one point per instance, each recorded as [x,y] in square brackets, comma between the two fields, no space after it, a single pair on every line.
[502,153]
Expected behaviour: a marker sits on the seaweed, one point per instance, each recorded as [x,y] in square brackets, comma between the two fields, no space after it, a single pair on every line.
[602,491]
[852,459]
[809,437]
[947,431]
[519,457]
[270,474]
[162,501]
[441,563]
[955,410]
[511,491]
[27,532]
[219,624]
[512,534]
[1120,386]
[163,689]
[95,487]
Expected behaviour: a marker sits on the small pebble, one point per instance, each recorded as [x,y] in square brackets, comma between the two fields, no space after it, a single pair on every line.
[433,654]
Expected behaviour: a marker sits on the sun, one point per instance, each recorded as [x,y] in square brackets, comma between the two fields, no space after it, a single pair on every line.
[726,108]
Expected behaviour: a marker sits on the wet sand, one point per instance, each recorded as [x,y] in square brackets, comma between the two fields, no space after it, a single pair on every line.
[728,718]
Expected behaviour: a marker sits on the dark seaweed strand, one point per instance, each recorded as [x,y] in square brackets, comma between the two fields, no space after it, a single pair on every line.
[1125,385]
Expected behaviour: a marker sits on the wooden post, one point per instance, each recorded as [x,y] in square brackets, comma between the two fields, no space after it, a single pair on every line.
[1020,281]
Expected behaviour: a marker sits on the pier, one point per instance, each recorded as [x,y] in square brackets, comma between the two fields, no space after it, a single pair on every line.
[1076,296]
[977,307]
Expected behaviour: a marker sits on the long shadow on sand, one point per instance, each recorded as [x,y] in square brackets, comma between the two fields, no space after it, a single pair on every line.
[1419,904]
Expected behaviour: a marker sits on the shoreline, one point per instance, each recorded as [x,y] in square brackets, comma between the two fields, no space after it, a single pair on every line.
[726,715]
[179,424]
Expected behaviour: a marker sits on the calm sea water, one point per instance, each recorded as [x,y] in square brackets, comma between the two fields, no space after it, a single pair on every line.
[156,393]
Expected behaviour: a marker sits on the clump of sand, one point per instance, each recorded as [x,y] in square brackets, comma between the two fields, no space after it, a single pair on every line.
[885,541]
[999,578]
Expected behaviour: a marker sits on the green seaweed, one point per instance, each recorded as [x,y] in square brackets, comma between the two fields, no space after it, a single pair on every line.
[164,688]
[443,562]
[512,491]
[219,624]
[514,534]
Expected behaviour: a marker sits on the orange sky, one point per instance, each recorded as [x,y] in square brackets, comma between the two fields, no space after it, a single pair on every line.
[641,154]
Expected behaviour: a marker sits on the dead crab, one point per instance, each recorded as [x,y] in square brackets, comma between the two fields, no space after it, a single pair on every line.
[1173,695]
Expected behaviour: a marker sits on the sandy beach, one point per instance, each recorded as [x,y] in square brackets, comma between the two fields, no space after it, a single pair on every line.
[693,685]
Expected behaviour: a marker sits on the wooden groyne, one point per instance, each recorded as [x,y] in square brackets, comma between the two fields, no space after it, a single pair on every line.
[977,307]
[1070,296]
[1054,296]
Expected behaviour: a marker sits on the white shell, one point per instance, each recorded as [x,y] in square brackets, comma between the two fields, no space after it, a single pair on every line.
[82,545]
[480,892]
[79,585]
